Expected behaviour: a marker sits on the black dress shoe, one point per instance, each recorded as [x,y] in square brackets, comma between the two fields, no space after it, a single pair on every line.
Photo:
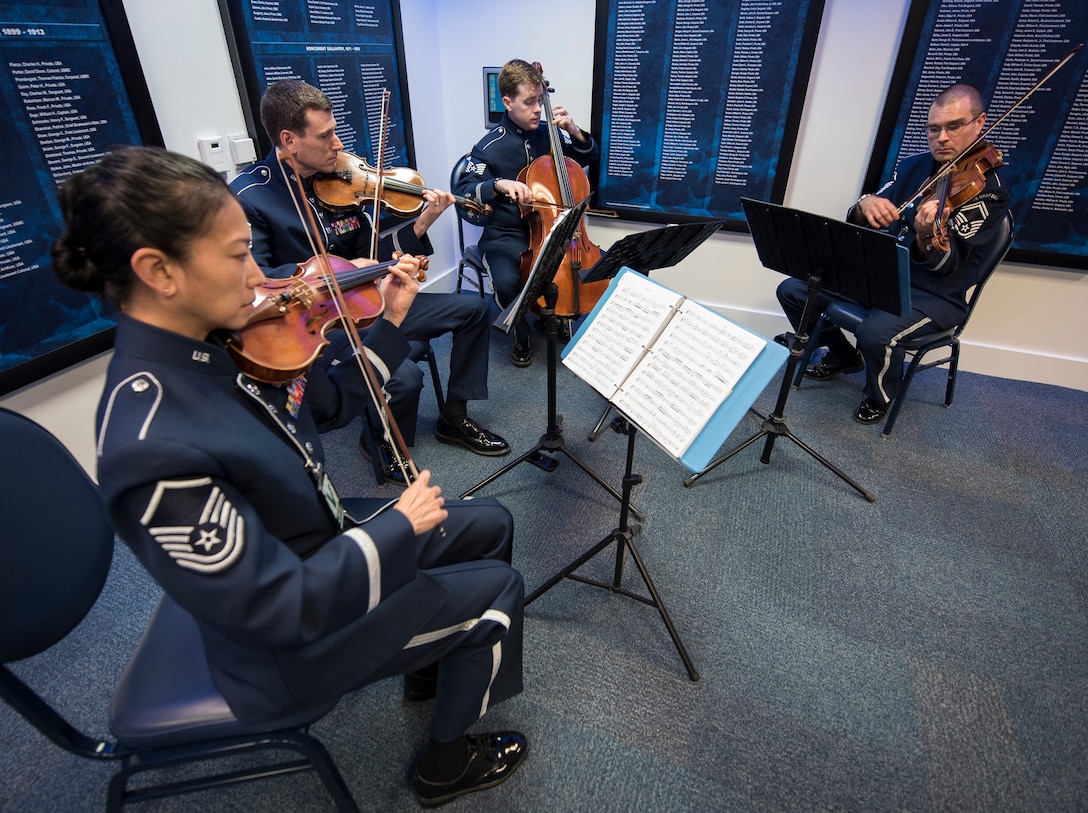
[492,759]
[832,366]
[868,412]
[521,353]
[466,432]
[390,469]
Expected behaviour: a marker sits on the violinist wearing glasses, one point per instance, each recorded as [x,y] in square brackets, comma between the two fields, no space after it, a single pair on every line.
[299,120]
[945,251]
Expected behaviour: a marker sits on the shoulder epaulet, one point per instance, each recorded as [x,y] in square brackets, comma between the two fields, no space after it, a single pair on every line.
[130,408]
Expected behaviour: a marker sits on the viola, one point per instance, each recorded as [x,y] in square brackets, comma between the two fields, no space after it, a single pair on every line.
[558,183]
[960,182]
[355,182]
[288,327]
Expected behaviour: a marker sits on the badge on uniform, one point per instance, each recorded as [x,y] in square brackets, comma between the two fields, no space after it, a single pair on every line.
[294,395]
[332,500]
[195,524]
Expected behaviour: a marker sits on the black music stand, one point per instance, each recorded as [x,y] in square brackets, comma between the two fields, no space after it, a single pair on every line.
[648,251]
[857,262]
[623,537]
[541,283]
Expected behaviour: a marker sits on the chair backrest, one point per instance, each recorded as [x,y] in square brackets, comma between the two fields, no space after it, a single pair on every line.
[458,172]
[57,541]
[988,263]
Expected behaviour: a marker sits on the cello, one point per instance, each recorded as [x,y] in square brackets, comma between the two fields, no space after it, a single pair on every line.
[558,183]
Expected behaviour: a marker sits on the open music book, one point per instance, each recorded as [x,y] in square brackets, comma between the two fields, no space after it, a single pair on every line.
[667,362]
[547,262]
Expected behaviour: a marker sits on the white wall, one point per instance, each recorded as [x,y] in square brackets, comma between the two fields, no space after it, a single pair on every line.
[1026,326]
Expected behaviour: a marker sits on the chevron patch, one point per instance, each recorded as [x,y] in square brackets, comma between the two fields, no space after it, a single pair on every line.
[195,524]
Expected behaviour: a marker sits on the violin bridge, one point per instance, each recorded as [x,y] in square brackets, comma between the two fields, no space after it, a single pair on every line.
[303,294]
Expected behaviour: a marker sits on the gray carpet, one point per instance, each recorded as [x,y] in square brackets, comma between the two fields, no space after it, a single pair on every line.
[925,652]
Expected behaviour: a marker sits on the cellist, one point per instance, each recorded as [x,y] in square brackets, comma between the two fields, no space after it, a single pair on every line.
[497,160]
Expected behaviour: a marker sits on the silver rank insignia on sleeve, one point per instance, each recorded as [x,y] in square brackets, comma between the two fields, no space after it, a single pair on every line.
[195,524]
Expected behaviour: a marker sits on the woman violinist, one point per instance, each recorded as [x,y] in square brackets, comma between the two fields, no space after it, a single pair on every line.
[941,271]
[497,160]
[218,482]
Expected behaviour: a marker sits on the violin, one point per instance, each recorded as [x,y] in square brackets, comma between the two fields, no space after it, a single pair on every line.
[288,327]
[958,183]
[558,183]
[354,182]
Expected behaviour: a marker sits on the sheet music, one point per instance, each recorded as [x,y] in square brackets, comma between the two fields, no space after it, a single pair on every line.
[619,334]
[688,372]
[515,307]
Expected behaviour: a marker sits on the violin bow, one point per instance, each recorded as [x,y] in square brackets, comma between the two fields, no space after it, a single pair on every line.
[950,165]
[389,425]
[379,164]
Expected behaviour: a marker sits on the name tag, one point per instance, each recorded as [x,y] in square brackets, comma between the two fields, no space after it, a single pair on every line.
[332,500]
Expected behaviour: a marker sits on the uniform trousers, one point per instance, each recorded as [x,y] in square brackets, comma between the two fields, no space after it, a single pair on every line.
[476,634]
[468,318]
[879,338]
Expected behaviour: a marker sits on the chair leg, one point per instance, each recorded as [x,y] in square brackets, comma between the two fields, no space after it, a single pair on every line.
[953,366]
[900,396]
[435,380]
[312,756]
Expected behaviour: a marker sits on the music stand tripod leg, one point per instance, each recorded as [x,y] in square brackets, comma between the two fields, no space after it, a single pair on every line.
[623,537]
[552,440]
[774,425]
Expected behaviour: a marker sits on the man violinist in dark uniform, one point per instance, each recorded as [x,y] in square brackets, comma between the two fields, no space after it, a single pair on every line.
[298,118]
[939,279]
[497,160]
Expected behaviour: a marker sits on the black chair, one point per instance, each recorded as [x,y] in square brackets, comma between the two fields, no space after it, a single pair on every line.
[165,710]
[471,259]
[849,316]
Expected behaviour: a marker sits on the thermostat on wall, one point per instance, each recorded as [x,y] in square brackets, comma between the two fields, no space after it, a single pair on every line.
[213,152]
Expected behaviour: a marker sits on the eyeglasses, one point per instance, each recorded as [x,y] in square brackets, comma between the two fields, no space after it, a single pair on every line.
[934,130]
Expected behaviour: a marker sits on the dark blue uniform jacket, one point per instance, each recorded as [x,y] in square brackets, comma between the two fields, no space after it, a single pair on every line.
[215,486]
[939,283]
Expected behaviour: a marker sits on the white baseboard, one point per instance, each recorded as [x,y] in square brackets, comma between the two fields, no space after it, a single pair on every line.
[1003,362]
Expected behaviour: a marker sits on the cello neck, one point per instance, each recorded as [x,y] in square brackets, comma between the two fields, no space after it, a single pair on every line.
[556,142]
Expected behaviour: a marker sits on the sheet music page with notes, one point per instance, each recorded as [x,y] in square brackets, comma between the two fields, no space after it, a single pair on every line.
[632,316]
[665,361]
[687,373]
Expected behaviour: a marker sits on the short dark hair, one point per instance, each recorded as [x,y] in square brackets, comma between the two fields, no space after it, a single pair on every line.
[285,104]
[135,197]
[961,91]
[517,72]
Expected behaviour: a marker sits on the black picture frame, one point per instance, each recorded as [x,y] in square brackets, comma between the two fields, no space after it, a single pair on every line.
[1003,56]
[737,141]
[294,45]
[47,327]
